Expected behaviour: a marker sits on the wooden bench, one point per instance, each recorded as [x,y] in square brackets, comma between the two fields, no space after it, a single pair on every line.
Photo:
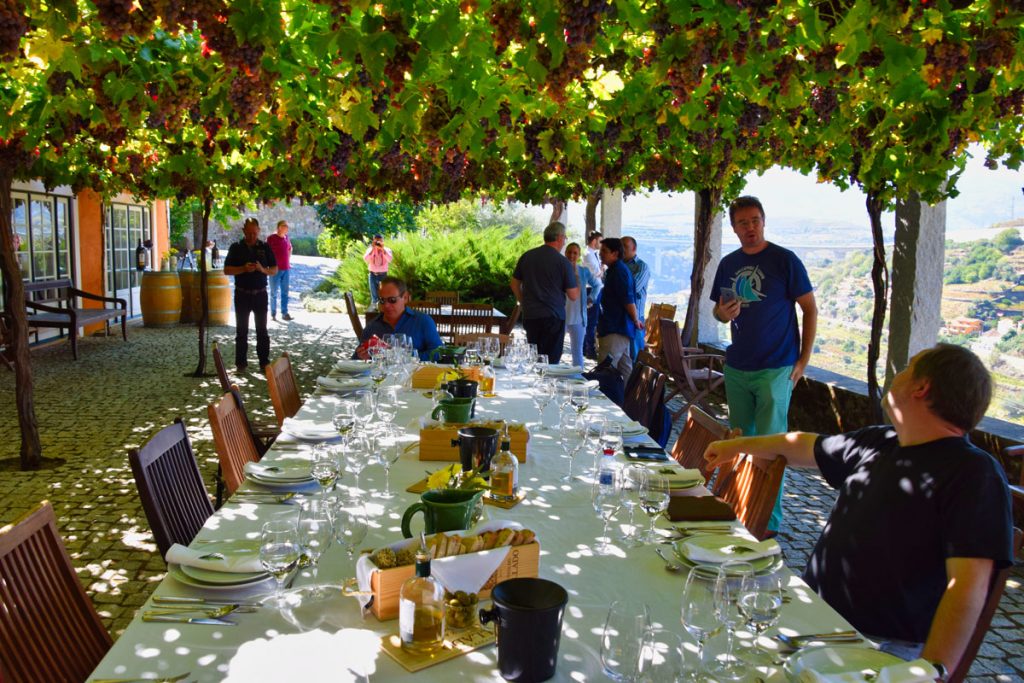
[60,311]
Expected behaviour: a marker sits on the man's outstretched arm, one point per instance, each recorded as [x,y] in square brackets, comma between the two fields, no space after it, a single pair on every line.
[796,447]
[962,602]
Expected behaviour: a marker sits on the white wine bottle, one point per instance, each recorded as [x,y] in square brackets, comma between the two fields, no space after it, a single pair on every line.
[421,608]
[505,471]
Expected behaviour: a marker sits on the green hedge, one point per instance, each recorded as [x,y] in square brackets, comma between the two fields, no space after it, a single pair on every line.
[305,246]
[460,247]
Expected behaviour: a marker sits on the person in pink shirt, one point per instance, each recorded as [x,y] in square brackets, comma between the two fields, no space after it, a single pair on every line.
[282,248]
[378,258]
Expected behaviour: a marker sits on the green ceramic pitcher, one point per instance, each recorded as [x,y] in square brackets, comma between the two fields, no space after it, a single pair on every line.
[443,510]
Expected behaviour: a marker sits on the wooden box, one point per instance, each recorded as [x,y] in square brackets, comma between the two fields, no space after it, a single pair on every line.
[521,561]
[436,443]
[426,376]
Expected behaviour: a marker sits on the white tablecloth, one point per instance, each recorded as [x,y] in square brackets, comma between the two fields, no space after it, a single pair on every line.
[330,644]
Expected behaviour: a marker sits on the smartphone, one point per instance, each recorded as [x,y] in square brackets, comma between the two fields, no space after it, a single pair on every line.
[728,294]
[646,454]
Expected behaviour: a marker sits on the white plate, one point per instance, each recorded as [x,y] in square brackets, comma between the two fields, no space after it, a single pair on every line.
[562,370]
[280,481]
[343,384]
[220,580]
[352,367]
[285,476]
[312,437]
[838,659]
[762,565]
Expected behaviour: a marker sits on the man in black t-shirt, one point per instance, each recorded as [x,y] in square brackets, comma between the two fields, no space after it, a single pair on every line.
[542,280]
[923,517]
[250,261]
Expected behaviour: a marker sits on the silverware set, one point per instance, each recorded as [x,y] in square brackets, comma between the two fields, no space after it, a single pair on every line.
[183,610]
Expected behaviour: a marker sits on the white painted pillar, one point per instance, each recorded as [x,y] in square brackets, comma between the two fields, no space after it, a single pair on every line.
[915,301]
[611,213]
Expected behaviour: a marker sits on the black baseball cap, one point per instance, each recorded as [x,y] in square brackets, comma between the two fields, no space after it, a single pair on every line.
[378,237]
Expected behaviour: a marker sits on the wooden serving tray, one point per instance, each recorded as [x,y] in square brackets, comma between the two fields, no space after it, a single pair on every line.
[457,643]
[436,443]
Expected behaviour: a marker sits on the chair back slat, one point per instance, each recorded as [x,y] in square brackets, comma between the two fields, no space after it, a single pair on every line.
[751,486]
[233,439]
[353,315]
[509,323]
[284,392]
[171,487]
[691,373]
[222,370]
[49,629]
[652,330]
[698,432]
[442,297]
[471,319]
[645,386]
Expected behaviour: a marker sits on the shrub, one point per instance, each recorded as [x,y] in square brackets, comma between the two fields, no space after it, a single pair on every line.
[304,246]
[459,247]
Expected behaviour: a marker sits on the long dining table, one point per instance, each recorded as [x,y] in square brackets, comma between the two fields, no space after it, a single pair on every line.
[332,640]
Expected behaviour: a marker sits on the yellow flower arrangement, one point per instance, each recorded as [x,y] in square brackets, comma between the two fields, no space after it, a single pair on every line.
[452,477]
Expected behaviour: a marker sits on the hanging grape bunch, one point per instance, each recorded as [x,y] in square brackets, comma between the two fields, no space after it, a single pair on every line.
[581,20]
[13,25]
[505,18]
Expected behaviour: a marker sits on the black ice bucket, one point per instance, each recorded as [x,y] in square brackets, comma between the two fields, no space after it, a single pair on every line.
[477,445]
[527,615]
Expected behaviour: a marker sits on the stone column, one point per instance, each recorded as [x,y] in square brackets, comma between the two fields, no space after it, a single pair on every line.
[707,326]
[611,213]
[918,260]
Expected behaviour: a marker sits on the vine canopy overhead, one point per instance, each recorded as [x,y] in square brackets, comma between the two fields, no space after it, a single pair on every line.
[434,100]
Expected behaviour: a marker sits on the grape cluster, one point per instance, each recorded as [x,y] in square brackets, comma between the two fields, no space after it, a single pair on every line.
[824,101]
[956,142]
[994,49]
[57,82]
[946,59]
[751,118]
[958,98]
[13,25]
[871,59]
[661,24]
[505,18]
[13,154]
[1010,104]
[115,15]
[401,60]
[581,20]
[247,95]
[453,179]
[824,60]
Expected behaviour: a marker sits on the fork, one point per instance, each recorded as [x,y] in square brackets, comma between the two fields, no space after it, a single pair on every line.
[166,679]
[211,612]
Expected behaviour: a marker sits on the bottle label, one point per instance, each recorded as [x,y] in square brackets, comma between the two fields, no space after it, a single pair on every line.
[406,620]
[606,476]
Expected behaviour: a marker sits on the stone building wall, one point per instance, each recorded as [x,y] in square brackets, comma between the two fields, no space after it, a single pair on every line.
[302,222]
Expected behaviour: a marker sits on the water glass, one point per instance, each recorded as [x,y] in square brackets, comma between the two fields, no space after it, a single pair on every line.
[607,500]
[389,450]
[344,419]
[572,431]
[622,638]
[760,602]
[542,394]
[349,530]
[661,657]
[580,398]
[611,437]
[279,552]
[634,480]
[699,616]
[727,592]
[315,535]
[360,450]
[654,497]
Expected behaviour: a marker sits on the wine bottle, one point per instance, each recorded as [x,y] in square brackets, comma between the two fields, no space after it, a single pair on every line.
[421,608]
[505,471]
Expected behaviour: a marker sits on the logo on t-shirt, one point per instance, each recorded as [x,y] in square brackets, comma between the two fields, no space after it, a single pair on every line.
[747,284]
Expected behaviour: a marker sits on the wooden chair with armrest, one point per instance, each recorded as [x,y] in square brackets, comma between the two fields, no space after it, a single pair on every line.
[509,323]
[751,486]
[170,486]
[284,392]
[442,297]
[699,431]
[234,441]
[49,629]
[1017,490]
[472,318]
[995,594]
[652,327]
[691,372]
[643,389]
[353,315]
[263,432]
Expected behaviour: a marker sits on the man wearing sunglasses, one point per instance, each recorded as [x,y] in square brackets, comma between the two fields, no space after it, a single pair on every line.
[395,318]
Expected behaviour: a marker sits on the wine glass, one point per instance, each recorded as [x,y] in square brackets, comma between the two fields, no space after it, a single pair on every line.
[365,405]
[378,372]
[389,450]
[542,394]
[344,419]
[727,592]
[607,500]
[634,480]
[573,434]
[540,366]
[621,638]
[580,397]
[349,530]
[654,497]
[760,601]
[387,406]
[315,534]
[699,617]
[360,448]
[611,437]
[661,657]
[279,552]
[325,468]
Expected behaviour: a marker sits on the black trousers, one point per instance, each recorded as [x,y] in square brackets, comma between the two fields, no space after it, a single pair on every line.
[549,336]
[246,302]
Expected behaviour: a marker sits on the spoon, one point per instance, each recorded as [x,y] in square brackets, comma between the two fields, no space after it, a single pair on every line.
[670,566]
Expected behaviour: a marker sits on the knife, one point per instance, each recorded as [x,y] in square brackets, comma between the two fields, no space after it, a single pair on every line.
[183,600]
[169,619]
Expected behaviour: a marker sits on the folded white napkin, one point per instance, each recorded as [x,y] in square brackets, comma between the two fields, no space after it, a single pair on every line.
[308,430]
[677,477]
[352,366]
[716,549]
[282,473]
[917,671]
[343,383]
[242,563]
[562,370]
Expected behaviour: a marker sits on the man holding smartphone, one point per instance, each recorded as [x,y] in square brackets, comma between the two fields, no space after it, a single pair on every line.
[251,262]
[378,259]
[756,290]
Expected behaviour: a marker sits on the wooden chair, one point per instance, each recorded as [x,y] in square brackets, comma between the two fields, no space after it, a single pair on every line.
[233,439]
[471,318]
[652,331]
[431,308]
[699,431]
[643,388]
[995,594]
[264,432]
[463,339]
[751,486]
[49,629]
[170,486]
[691,372]
[442,297]
[284,393]
[509,323]
[1017,490]
[353,315]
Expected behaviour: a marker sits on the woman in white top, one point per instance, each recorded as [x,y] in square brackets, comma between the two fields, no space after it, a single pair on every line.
[576,311]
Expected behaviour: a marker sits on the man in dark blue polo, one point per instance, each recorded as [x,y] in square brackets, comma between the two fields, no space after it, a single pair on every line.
[251,262]
[395,318]
[619,318]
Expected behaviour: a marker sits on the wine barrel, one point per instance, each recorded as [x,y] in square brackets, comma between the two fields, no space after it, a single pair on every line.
[218,288]
[160,298]
[187,278]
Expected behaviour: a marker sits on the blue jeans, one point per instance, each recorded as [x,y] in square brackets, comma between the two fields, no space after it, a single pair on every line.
[375,279]
[575,342]
[279,281]
[759,405]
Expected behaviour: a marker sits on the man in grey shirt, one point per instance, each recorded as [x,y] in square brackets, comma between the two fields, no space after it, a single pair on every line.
[541,281]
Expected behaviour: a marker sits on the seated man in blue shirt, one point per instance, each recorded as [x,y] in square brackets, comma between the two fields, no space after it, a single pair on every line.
[394,318]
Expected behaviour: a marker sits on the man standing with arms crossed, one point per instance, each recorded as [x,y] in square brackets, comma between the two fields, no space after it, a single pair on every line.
[756,290]
[251,262]
[282,248]
[542,280]
[378,259]
[641,278]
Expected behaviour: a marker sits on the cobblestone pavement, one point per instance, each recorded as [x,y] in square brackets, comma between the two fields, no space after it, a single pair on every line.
[92,411]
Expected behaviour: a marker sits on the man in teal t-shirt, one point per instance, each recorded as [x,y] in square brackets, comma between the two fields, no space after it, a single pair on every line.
[755,290]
